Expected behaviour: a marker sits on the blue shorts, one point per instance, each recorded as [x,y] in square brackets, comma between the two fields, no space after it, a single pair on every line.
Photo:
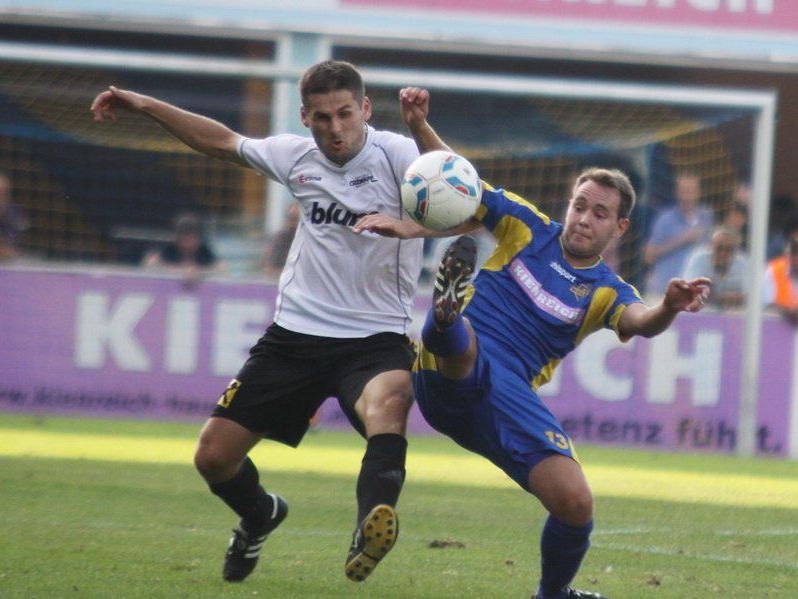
[495,413]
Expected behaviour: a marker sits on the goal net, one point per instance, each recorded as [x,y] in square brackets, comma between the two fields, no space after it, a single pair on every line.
[105,192]
[536,146]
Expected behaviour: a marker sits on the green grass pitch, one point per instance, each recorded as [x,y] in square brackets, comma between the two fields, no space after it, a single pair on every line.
[95,508]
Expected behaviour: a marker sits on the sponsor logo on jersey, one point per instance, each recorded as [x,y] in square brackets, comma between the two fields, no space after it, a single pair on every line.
[362,181]
[562,272]
[542,298]
[302,179]
[334,215]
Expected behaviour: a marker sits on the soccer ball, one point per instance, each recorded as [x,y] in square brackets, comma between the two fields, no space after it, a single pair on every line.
[441,190]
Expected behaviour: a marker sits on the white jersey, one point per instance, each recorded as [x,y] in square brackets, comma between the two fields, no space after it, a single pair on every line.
[336,283]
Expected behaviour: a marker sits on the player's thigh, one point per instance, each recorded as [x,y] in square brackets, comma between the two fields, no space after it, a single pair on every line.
[373,383]
[560,484]
[449,406]
[460,409]
[280,387]
[494,413]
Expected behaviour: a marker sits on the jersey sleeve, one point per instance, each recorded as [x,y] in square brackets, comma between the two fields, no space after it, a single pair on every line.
[498,204]
[272,156]
[625,294]
[401,152]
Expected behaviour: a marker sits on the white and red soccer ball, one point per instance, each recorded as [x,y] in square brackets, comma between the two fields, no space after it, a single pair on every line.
[441,190]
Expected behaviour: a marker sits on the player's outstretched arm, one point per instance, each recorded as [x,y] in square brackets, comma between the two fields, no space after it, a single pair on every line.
[196,131]
[680,296]
[388,226]
[414,106]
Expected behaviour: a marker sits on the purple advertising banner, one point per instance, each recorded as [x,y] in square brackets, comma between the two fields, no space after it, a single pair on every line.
[129,345]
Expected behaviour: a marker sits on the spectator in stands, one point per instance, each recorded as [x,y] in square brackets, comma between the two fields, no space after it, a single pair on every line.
[12,223]
[781,281]
[743,193]
[676,233]
[189,253]
[724,263]
[783,217]
[280,244]
[736,218]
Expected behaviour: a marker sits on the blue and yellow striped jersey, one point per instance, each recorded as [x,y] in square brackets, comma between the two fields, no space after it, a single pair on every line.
[528,306]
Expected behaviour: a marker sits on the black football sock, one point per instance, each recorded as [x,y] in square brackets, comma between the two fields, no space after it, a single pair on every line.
[382,472]
[246,497]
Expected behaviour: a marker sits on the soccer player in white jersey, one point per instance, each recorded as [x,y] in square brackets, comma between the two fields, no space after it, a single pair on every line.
[341,316]
[488,346]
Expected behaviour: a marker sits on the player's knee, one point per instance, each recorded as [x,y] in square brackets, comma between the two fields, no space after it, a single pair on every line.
[210,463]
[396,405]
[577,508]
[388,413]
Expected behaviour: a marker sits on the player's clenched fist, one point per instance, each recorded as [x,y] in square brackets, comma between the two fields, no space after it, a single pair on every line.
[414,104]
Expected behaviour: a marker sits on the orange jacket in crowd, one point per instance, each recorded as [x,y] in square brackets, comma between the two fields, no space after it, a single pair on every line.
[785,297]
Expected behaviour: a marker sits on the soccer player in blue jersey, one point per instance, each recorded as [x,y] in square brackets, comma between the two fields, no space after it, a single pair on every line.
[487,347]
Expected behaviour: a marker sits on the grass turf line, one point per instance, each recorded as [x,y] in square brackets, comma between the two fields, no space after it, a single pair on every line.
[101,525]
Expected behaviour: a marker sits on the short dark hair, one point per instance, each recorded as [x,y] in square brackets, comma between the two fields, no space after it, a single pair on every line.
[188,224]
[330,76]
[614,179]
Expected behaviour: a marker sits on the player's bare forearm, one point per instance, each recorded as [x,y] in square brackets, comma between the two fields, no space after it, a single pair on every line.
[199,132]
[680,296]
[647,321]
[427,139]
[388,226]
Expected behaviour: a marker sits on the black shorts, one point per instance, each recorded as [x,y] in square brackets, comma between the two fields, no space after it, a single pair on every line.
[288,375]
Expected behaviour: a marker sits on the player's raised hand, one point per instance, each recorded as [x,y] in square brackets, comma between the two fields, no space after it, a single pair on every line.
[414,105]
[687,296]
[106,103]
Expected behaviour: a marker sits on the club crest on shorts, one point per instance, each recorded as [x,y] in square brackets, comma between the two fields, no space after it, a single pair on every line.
[229,393]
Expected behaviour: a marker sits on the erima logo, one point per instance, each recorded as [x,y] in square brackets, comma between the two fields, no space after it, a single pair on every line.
[302,179]
[334,215]
[362,181]
[564,273]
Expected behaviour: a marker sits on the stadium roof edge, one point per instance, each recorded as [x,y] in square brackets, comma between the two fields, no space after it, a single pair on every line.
[696,46]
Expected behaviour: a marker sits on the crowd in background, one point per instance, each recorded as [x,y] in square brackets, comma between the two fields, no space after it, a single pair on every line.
[12,221]
[689,240]
[680,239]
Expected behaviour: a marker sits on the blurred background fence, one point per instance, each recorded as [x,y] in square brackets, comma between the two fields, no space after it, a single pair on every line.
[96,198]
[107,193]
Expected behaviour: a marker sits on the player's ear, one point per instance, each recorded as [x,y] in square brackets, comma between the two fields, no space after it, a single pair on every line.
[366,108]
[303,114]
[623,225]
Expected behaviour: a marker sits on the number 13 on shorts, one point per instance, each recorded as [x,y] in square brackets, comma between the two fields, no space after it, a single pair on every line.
[561,442]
